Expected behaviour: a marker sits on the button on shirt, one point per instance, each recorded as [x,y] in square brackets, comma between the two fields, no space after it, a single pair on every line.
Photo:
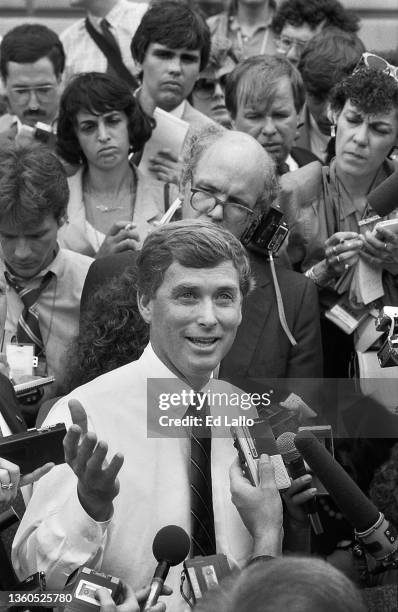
[82,53]
[59,311]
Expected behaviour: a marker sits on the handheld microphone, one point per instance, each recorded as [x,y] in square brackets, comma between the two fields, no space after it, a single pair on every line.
[378,537]
[296,468]
[383,199]
[170,547]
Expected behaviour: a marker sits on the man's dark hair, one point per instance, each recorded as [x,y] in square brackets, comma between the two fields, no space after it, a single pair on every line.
[98,93]
[313,13]
[371,91]
[255,80]
[327,58]
[33,185]
[174,24]
[28,43]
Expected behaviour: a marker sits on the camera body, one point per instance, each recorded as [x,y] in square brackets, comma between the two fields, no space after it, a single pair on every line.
[44,133]
[387,321]
[85,582]
[266,233]
[205,573]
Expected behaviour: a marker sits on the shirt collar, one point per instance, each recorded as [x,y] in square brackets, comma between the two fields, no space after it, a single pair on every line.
[179,110]
[234,24]
[113,17]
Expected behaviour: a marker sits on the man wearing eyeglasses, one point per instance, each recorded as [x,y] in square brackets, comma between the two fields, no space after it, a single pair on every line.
[230,181]
[32,60]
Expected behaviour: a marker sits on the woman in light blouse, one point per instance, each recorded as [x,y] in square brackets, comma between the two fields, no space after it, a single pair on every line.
[112,205]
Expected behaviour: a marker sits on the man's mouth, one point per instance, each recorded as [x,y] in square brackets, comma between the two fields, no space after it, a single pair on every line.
[199,341]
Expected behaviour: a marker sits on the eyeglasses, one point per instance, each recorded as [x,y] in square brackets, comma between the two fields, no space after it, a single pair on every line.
[205,202]
[43,93]
[205,88]
[285,43]
[370,60]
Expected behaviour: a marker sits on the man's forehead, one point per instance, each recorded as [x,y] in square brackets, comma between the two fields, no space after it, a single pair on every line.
[157,46]
[26,229]
[220,275]
[41,71]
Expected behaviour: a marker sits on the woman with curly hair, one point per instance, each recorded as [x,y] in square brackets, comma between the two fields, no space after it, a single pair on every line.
[298,21]
[333,239]
[112,205]
[112,332]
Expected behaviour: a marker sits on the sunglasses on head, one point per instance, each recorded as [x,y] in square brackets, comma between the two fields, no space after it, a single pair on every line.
[370,60]
[205,88]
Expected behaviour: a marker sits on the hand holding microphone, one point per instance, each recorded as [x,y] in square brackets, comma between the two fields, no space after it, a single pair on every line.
[132,601]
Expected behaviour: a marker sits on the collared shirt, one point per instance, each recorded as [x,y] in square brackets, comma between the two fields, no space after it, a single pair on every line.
[261,41]
[59,311]
[79,235]
[57,536]
[318,141]
[83,55]
[179,110]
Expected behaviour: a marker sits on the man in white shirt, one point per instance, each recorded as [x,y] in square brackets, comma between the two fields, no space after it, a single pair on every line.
[41,283]
[121,20]
[191,281]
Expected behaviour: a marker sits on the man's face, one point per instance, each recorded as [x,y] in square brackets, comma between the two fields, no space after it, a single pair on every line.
[233,174]
[318,107]
[169,74]
[28,251]
[33,91]
[193,318]
[273,123]
[293,39]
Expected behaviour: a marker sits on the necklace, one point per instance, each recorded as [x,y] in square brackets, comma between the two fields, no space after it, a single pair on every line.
[125,198]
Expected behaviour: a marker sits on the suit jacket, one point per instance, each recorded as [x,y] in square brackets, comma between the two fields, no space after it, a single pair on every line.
[302,157]
[261,348]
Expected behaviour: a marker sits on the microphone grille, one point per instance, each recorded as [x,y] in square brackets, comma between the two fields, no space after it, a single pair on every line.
[171,544]
[286,446]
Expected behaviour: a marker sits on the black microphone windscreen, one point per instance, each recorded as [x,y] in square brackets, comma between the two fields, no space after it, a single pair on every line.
[356,507]
[384,198]
[171,544]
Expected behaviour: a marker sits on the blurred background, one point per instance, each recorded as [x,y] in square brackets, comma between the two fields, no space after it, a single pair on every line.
[379,18]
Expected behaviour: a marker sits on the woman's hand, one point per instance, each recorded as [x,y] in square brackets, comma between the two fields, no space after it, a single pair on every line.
[166,166]
[342,251]
[121,237]
[380,249]
[10,480]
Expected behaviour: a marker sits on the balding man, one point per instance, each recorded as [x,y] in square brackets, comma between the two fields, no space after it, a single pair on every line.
[231,185]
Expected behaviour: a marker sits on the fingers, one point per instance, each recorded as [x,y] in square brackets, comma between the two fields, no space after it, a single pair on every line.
[129,244]
[71,444]
[237,480]
[36,474]
[266,473]
[78,414]
[112,470]
[298,485]
[304,496]
[130,603]
[104,597]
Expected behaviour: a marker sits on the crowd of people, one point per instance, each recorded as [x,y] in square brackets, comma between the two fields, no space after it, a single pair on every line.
[185,211]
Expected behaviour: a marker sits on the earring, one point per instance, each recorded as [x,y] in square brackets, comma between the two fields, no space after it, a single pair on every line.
[333,130]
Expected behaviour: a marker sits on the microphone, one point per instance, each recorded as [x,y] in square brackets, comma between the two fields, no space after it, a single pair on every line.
[170,547]
[383,199]
[296,468]
[378,537]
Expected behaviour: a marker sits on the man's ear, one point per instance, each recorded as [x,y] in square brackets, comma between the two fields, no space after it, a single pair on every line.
[145,307]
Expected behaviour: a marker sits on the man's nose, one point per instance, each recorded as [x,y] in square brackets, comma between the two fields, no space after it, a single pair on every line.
[22,249]
[293,55]
[207,316]
[217,214]
[175,65]
[33,100]
[218,91]
[268,126]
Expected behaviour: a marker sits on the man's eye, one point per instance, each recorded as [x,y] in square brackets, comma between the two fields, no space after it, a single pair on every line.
[225,297]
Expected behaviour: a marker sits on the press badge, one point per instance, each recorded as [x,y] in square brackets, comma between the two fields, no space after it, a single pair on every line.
[21,360]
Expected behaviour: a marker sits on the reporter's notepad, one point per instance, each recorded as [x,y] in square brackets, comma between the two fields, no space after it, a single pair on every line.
[169,133]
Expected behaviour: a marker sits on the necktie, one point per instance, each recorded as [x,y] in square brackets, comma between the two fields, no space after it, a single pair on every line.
[28,328]
[202,518]
[112,42]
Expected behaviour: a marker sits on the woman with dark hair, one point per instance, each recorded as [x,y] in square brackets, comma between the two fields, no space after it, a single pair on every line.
[334,240]
[112,205]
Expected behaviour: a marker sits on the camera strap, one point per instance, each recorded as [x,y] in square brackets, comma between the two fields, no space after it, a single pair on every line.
[279,303]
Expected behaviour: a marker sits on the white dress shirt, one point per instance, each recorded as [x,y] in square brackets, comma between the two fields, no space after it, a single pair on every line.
[57,536]
[58,308]
[82,53]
